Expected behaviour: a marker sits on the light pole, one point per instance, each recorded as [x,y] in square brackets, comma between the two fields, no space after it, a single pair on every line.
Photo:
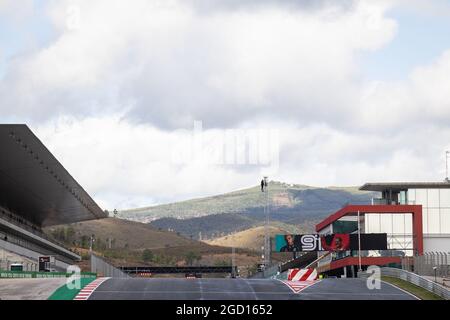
[359,242]
[233,262]
[265,189]
[435,274]
[91,244]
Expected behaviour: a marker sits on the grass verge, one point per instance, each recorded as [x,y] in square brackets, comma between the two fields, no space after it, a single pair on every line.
[411,288]
[64,293]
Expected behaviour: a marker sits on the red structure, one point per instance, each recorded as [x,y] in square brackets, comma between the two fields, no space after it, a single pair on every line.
[352,210]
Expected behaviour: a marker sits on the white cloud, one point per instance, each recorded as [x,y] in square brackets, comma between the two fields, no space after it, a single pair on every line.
[420,101]
[16,11]
[225,66]
[109,93]
[128,165]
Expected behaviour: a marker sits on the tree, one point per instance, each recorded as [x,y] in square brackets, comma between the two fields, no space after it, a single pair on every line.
[191,257]
[70,234]
[222,263]
[147,255]
[85,242]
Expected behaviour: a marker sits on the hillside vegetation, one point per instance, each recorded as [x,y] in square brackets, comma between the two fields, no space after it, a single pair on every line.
[212,217]
[125,242]
[253,238]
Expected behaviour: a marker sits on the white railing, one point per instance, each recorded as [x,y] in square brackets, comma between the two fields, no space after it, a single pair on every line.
[417,280]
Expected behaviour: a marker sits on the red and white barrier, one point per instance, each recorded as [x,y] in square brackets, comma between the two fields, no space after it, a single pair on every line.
[309,274]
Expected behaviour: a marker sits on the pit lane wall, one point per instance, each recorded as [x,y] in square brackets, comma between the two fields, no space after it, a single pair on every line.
[33,274]
[104,269]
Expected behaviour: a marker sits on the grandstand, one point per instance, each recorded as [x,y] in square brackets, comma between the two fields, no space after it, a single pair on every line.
[36,191]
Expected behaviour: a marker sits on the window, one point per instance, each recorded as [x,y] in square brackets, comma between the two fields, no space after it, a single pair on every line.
[402,197]
[433,220]
[386,223]
[421,197]
[433,198]
[372,223]
[412,196]
[445,198]
[445,220]
[425,220]
[398,224]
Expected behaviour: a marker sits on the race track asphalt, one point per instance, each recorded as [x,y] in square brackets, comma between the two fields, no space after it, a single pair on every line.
[241,289]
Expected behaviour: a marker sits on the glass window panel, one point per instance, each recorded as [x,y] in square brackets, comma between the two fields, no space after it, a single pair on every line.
[402,197]
[401,242]
[372,223]
[445,220]
[421,197]
[412,196]
[409,242]
[408,223]
[445,198]
[433,221]
[425,220]
[386,223]
[433,198]
[398,224]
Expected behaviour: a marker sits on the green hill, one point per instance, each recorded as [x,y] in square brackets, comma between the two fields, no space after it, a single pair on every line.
[123,242]
[233,202]
[216,216]
[253,238]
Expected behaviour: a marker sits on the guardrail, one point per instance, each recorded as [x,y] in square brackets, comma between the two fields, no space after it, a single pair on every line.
[34,274]
[417,280]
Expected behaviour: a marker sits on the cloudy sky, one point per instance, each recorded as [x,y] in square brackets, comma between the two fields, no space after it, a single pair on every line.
[152,101]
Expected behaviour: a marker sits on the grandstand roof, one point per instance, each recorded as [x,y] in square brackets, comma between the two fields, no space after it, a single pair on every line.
[35,186]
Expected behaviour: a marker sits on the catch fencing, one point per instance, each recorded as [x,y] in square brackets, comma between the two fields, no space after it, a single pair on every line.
[429,264]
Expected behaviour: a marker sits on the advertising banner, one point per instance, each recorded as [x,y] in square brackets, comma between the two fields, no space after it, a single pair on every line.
[336,242]
[331,242]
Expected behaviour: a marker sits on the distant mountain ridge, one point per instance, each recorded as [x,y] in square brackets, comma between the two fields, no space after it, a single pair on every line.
[220,215]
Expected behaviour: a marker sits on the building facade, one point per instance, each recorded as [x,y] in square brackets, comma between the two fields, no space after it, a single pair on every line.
[414,216]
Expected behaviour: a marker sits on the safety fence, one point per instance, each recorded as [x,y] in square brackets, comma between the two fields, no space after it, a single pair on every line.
[30,274]
[104,269]
[429,264]
[417,280]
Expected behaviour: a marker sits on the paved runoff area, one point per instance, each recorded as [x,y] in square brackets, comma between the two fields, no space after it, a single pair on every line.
[243,289]
[29,289]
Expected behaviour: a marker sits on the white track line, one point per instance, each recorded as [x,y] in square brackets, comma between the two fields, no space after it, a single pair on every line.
[412,295]
[86,292]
